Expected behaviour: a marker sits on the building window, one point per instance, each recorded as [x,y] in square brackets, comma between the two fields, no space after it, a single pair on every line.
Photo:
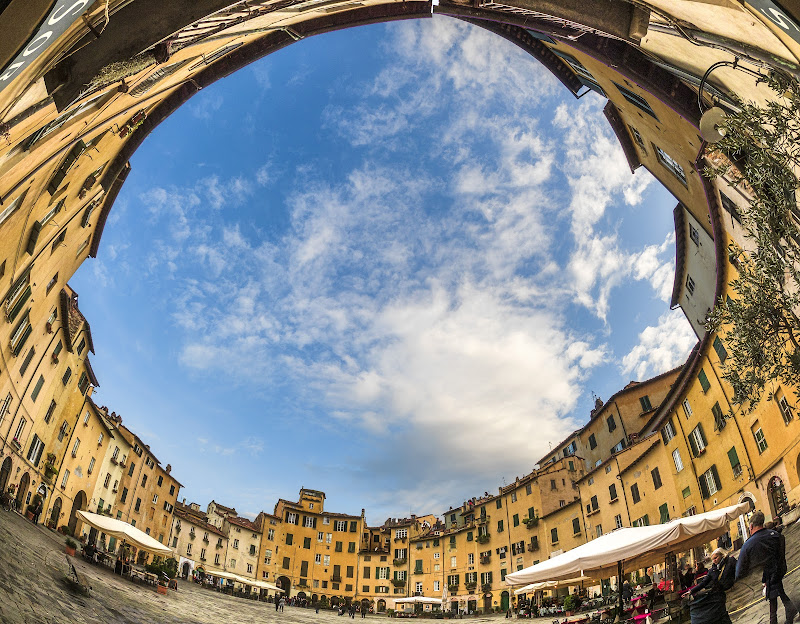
[58,240]
[554,536]
[733,457]
[720,349]
[592,442]
[687,408]
[37,388]
[697,441]
[612,424]
[719,417]
[67,374]
[75,447]
[576,526]
[645,403]
[694,235]
[612,492]
[635,493]
[656,478]
[786,410]
[709,482]
[670,164]
[730,207]
[668,432]
[291,518]
[35,451]
[636,100]
[618,521]
[689,284]
[62,432]
[48,415]
[761,441]
[64,479]
[638,138]
[703,379]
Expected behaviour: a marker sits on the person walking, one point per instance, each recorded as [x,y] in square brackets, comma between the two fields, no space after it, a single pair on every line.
[708,596]
[766,548]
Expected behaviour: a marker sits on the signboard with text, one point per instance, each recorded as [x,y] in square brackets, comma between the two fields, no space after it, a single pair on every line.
[61,17]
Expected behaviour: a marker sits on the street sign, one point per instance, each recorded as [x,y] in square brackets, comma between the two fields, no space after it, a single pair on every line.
[777,16]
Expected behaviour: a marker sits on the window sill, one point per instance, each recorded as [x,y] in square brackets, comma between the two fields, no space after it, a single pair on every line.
[614,500]
[593,512]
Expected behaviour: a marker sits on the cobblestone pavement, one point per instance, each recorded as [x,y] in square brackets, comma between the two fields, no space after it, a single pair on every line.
[33,591]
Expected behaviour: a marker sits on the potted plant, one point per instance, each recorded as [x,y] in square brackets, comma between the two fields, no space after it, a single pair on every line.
[571,604]
[71,545]
[161,588]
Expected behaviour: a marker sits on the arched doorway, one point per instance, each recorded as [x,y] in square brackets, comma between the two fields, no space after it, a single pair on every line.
[365,604]
[504,601]
[186,569]
[301,595]
[5,473]
[77,505]
[381,605]
[285,584]
[314,599]
[487,603]
[778,502]
[24,482]
[55,514]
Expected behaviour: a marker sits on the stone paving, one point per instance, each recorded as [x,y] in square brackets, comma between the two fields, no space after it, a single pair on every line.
[33,591]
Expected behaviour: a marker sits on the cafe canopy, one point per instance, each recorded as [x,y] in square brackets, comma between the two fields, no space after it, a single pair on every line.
[553,584]
[124,531]
[633,548]
[418,600]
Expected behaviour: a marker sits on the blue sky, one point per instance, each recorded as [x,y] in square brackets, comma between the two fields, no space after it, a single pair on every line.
[391,263]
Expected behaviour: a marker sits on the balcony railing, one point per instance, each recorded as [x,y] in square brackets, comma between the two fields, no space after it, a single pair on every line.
[471,586]
[486,559]
[336,578]
[400,562]
[482,539]
[486,587]
[399,582]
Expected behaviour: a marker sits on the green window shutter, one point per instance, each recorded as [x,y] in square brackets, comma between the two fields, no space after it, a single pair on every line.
[663,510]
[720,349]
[531,512]
[703,487]
[733,457]
[19,304]
[702,435]
[33,238]
[37,388]
[314,522]
[469,536]
[516,519]
[693,446]
[701,377]
[719,417]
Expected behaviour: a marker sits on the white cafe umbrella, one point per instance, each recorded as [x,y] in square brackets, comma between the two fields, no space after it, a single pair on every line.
[636,547]
[124,531]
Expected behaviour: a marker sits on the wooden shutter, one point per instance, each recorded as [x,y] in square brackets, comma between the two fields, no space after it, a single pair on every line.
[733,457]
[693,446]
[703,486]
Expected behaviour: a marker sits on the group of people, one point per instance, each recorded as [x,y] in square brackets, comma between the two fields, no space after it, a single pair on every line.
[765,549]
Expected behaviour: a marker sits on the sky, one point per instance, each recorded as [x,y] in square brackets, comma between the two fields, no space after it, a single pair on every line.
[393,263]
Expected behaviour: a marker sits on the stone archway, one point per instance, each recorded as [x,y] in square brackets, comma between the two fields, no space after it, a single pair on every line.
[381,605]
[79,504]
[5,473]
[285,584]
[22,489]
[776,492]
[55,514]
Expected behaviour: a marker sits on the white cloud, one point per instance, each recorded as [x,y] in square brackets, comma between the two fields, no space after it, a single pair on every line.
[205,104]
[661,347]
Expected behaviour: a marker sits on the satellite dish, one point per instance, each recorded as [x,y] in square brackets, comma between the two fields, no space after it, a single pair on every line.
[710,124]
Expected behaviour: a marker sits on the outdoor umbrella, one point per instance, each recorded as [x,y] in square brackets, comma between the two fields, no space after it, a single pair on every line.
[125,532]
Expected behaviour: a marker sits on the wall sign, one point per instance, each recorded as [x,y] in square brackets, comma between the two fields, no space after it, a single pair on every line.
[777,16]
[63,15]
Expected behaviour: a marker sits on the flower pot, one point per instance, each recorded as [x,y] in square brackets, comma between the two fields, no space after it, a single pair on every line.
[29,515]
[69,551]
[161,589]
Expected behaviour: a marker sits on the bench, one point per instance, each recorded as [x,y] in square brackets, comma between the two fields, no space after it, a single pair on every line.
[76,578]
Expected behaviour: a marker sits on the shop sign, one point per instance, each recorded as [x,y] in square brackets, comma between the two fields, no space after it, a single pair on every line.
[777,16]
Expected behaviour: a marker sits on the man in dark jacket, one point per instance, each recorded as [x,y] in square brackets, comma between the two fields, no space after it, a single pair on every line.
[767,550]
[708,596]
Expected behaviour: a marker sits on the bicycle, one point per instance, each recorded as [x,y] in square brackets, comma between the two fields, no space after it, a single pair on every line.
[8,501]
